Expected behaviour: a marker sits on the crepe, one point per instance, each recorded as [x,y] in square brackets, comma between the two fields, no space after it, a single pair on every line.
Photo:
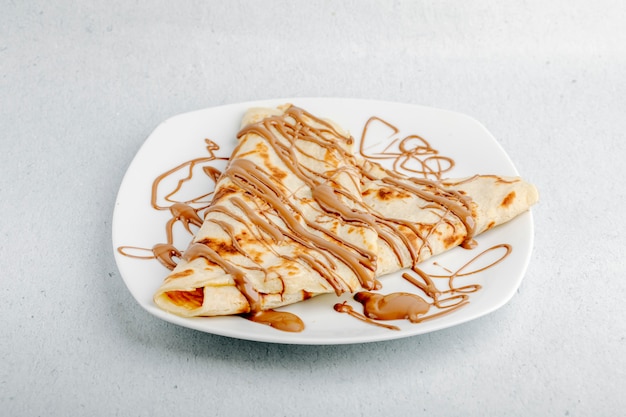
[296,214]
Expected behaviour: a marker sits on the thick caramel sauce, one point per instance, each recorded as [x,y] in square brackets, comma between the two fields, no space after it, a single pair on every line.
[184,212]
[414,308]
[413,153]
[281,320]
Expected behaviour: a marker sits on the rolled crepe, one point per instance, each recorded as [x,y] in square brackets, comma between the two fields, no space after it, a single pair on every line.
[296,214]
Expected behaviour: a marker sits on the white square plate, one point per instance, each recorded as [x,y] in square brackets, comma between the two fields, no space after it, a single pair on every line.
[181,139]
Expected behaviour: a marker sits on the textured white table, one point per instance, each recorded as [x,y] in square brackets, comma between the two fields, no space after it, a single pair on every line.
[83,83]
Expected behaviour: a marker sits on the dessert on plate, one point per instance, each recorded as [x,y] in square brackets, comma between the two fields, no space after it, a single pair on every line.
[297,213]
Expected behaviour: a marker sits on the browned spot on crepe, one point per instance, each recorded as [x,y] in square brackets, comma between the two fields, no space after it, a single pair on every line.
[190,299]
[508,200]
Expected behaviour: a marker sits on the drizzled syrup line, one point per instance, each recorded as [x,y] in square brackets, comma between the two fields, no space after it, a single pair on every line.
[210,171]
[422,153]
[181,211]
[507,251]
[458,293]
[411,306]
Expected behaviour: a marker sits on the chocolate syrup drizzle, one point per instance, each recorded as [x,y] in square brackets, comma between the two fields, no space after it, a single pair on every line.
[412,307]
[412,153]
[186,212]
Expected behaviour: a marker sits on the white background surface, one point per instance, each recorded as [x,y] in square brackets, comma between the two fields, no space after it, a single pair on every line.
[82,84]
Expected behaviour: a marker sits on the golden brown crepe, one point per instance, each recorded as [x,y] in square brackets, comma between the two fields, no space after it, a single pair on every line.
[296,214]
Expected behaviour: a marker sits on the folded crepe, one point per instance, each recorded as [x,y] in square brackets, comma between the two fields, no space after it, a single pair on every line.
[296,214]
